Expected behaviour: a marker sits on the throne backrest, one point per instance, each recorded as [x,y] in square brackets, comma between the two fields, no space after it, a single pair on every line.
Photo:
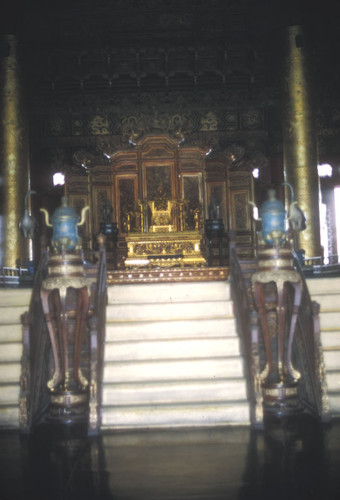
[161,216]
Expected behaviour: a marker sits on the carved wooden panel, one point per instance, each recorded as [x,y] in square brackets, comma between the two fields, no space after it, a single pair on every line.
[159,147]
[100,195]
[191,193]
[100,178]
[126,203]
[77,184]
[240,213]
[158,181]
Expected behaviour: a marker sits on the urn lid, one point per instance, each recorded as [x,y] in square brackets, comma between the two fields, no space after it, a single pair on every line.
[65,211]
[272,205]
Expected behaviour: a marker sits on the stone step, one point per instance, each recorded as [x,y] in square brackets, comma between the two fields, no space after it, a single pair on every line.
[10,333]
[11,315]
[130,330]
[329,320]
[172,357]
[15,297]
[13,303]
[189,369]
[171,349]
[169,292]
[332,359]
[9,416]
[10,351]
[323,286]
[329,302]
[334,403]
[326,291]
[333,381]
[330,338]
[10,372]
[169,392]
[212,414]
[9,394]
[171,311]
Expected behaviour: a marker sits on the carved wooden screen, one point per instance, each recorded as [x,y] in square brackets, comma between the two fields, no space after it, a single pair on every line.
[240,194]
[191,191]
[158,182]
[127,210]
[183,175]
[100,195]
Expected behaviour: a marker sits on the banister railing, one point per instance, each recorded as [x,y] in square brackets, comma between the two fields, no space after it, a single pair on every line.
[97,340]
[320,266]
[308,353]
[15,276]
[246,319]
[33,399]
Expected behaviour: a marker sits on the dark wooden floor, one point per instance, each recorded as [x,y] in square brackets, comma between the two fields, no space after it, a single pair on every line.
[290,460]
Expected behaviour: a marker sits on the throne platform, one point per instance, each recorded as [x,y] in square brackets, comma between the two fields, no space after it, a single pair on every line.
[164,249]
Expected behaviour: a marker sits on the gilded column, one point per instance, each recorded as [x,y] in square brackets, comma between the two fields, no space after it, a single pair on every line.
[13,153]
[299,135]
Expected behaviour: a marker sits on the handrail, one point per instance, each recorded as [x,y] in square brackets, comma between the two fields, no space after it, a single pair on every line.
[97,339]
[15,276]
[247,328]
[34,364]
[321,261]
[309,354]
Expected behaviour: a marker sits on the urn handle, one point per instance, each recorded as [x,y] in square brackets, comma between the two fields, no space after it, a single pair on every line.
[83,213]
[252,204]
[47,217]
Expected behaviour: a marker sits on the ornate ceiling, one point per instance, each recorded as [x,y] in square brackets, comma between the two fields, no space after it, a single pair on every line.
[103,73]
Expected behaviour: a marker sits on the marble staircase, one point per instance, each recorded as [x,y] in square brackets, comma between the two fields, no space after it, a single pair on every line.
[13,303]
[326,291]
[172,354]
[172,357]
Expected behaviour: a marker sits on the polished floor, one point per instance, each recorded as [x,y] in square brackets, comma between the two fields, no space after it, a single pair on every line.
[298,459]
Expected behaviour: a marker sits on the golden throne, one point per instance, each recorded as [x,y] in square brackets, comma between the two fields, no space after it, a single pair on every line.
[162,240]
[161,216]
[164,243]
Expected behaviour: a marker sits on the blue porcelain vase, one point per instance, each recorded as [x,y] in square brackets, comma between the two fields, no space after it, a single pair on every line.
[273,218]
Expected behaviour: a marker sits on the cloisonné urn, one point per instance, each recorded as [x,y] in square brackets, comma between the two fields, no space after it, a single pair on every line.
[273,218]
[65,222]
